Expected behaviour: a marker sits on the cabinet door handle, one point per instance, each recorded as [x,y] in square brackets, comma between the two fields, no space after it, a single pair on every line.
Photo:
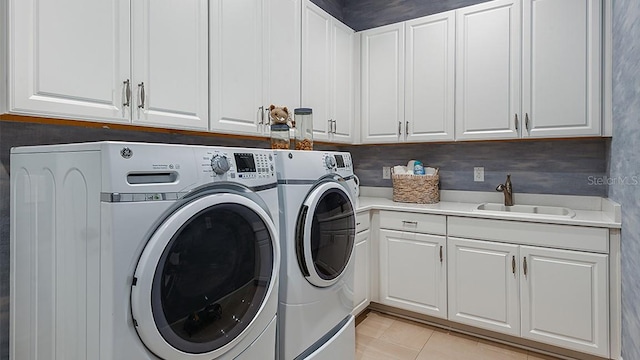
[440,253]
[513,264]
[261,122]
[524,266]
[516,121]
[406,128]
[335,126]
[526,121]
[127,93]
[399,128]
[412,223]
[142,95]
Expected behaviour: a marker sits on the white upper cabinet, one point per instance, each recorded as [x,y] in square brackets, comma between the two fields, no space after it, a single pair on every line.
[327,74]
[283,52]
[561,79]
[70,59]
[114,61]
[382,93]
[316,67]
[255,62]
[429,78]
[342,87]
[170,63]
[237,62]
[488,70]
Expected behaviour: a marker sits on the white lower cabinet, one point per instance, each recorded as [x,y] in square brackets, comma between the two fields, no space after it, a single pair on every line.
[362,269]
[483,285]
[554,296]
[413,270]
[564,298]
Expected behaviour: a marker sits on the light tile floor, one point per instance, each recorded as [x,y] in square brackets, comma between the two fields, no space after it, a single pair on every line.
[384,337]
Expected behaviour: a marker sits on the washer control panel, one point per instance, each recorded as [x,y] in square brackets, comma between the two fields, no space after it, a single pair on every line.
[235,164]
[337,161]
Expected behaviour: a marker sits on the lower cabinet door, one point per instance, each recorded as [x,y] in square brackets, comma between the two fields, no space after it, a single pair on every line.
[413,272]
[483,285]
[361,286]
[565,299]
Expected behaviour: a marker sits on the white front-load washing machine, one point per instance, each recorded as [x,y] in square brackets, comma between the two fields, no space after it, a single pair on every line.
[317,233]
[143,251]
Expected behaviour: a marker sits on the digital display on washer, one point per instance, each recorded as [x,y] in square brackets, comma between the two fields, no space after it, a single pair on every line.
[339,161]
[245,162]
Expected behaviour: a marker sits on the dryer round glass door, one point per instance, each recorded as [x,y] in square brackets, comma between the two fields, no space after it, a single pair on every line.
[204,276]
[325,233]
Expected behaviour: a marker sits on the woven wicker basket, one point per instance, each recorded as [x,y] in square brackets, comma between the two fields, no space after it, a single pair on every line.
[419,189]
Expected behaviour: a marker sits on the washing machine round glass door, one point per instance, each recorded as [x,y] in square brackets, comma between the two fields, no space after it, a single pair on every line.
[325,233]
[204,277]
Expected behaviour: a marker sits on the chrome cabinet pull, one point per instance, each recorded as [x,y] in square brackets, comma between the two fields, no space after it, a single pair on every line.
[142,95]
[516,122]
[412,223]
[399,128]
[440,253]
[406,128]
[513,265]
[330,126]
[335,126]
[526,121]
[261,108]
[127,93]
[524,266]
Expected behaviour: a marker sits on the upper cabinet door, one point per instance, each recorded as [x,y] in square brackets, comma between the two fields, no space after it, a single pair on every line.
[170,63]
[316,67]
[283,52]
[488,70]
[342,104]
[429,78]
[236,65]
[382,93]
[561,67]
[70,59]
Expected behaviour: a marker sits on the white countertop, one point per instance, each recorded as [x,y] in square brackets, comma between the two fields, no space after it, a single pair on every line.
[590,211]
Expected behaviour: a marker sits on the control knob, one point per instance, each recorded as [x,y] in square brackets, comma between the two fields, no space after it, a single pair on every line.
[330,162]
[220,164]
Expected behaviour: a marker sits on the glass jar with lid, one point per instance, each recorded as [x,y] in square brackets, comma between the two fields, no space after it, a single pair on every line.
[303,118]
[280,136]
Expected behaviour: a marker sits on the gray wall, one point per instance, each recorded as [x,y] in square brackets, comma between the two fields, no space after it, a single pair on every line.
[625,162]
[568,167]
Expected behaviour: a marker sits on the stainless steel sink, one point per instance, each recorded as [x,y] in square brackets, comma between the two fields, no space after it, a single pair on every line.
[536,210]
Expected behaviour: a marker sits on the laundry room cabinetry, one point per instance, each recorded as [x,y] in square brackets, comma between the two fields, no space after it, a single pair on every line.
[113,61]
[327,74]
[542,282]
[413,266]
[362,271]
[558,59]
[255,62]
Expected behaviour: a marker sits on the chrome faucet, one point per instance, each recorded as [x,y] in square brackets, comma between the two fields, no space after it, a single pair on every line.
[507,190]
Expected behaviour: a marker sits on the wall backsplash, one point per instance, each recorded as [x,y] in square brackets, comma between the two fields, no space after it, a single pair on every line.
[567,167]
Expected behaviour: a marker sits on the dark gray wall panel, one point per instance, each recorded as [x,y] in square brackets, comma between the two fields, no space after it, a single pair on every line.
[366,14]
[568,167]
[333,7]
[625,162]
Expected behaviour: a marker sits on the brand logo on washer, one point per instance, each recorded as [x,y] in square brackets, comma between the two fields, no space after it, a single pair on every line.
[126,153]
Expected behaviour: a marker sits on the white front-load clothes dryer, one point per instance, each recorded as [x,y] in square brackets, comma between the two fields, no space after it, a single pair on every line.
[317,233]
[143,251]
